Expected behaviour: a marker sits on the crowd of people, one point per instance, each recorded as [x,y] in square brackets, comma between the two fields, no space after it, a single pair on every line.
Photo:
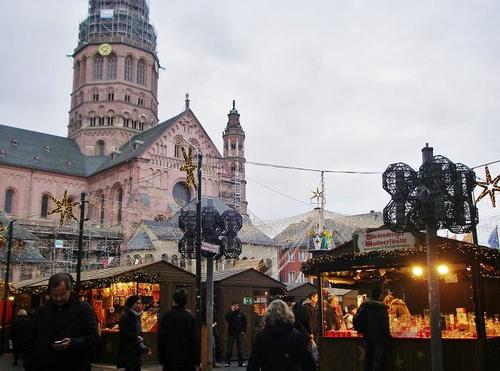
[63,333]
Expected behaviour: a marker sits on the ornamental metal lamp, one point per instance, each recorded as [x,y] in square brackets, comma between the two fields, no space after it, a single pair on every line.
[438,196]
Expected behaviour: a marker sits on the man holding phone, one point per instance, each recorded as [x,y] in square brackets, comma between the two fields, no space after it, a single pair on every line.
[63,333]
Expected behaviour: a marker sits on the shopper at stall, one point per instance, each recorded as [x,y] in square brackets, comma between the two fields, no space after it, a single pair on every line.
[279,346]
[131,343]
[178,348]
[333,315]
[63,332]
[308,317]
[18,333]
[372,320]
[398,308]
[351,312]
[236,327]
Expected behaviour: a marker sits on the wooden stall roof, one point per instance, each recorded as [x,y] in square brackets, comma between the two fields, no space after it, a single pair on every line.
[165,271]
[244,277]
[300,286]
[347,256]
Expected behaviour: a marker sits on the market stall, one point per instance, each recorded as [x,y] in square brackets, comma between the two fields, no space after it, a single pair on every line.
[397,262]
[253,290]
[107,290]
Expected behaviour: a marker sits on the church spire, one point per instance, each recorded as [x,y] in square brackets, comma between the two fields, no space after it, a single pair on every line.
[187,102]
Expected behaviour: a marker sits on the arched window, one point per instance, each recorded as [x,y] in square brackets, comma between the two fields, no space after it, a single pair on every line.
[45,206]
[9,201]
[183,263]
[119,200]
[129,62]
[102,201]
[112,63]
[164,257]
[76,74]
[141,72]
[98,62]
[100,147]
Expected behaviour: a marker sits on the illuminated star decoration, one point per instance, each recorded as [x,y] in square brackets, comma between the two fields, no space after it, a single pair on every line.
[317,194]
[2,235]
[64,208]
[489,187]
[188,167]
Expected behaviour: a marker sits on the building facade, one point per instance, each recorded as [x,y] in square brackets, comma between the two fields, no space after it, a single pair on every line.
[116,151]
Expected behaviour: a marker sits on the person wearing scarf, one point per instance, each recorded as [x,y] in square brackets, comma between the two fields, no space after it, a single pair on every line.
[131,343]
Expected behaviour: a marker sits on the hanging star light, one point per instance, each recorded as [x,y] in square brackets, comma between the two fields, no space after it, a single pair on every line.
[3,239]
[64,208]
[317,194]
[489,187]
[189,167]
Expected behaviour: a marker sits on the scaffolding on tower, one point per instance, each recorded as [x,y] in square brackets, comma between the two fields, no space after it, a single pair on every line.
[118,21]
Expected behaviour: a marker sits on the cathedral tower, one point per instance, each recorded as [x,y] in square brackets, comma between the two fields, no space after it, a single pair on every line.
[234,153]
[115,76]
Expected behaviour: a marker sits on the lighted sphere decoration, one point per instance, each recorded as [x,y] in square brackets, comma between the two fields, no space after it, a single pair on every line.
[217,229]
[211,224]
[231,247]
[233,222]
[187,247]
[187,222]
[399,180]
[438,196]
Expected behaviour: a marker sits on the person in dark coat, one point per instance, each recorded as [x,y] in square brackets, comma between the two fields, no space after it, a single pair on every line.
[18,332]
[372,320]
[178,347]
[308,317]
[236,327]
[279,346]
[131,343]
[63,332]
[333,315]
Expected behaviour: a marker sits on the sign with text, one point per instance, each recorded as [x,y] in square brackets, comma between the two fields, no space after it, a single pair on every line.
[385,239]
[210,248]
[247,300]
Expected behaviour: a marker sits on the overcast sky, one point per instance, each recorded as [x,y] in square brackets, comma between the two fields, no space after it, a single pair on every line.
[339,85]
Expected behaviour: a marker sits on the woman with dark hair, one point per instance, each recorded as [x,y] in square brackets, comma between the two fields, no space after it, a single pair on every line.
[280,347]
[131,343]
[18,332]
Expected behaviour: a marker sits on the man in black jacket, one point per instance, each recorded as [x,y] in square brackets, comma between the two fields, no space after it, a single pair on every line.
[178,348]
[307,317]
[236,327]
[63,332]
[372,320]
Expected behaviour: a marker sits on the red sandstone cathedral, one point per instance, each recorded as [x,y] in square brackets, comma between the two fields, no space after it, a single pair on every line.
[117,151]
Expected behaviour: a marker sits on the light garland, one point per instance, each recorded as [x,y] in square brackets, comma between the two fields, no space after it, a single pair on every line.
[138,276]
[3,239]
[379,259]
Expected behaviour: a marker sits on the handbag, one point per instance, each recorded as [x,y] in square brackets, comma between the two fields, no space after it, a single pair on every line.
[313,348]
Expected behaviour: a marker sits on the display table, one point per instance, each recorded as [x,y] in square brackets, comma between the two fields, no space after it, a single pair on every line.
[409,354]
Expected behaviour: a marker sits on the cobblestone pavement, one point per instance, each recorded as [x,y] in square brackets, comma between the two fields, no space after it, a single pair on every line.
[6,365]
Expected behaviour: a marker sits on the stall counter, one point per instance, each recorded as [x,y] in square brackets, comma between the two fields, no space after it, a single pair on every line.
[409,354]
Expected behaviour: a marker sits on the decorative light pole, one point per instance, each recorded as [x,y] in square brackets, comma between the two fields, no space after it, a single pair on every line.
[219,235]
[438,196]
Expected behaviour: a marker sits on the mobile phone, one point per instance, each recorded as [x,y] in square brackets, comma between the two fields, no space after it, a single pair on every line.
[58,342]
